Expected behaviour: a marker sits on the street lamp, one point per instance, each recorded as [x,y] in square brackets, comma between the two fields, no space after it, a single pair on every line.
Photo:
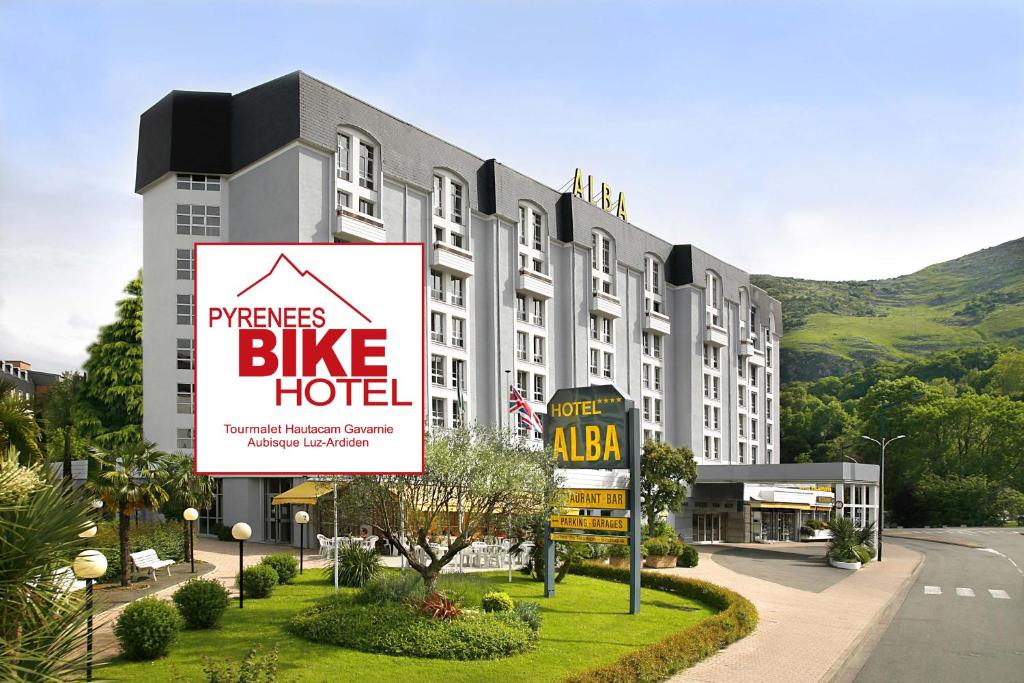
[883,442]
[96,504]
[88,531]
[191,515]
[241,533]
[301,518]
[89,565]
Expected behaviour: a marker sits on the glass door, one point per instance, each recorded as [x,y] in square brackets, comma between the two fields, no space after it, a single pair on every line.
[277,519]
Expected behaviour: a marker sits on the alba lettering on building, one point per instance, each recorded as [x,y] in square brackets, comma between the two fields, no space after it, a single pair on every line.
[595,444]
[604,198]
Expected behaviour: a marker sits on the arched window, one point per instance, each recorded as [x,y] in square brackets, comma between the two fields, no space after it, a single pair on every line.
[357,171]
[654,283]
[713,297]
[744,303]
[451,215]
[533,238]
[602,260]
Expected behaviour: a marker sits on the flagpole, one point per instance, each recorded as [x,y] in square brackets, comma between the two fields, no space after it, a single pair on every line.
[508,385]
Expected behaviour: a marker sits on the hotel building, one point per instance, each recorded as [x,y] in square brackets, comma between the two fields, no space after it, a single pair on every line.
[525,284]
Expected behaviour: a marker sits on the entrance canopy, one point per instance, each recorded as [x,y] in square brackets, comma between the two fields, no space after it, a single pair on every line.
[305,493]
[803,473]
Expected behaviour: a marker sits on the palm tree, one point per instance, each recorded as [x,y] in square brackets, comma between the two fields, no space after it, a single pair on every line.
[41,621]
[64,412]
[188,488]
[18,426]
[131,476]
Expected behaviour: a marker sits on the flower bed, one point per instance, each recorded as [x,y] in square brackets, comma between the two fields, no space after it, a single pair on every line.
[736,619]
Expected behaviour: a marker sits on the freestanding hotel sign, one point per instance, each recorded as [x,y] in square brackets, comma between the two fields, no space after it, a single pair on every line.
[595,428]
[308,358]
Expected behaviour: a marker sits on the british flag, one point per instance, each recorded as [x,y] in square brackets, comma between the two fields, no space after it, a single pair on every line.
[518,404]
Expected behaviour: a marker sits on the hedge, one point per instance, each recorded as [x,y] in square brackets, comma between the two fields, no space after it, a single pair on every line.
[737,618]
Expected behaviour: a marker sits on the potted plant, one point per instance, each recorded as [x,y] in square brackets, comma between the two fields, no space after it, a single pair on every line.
[661,551]
[842,546]
[815,530]
[618,556]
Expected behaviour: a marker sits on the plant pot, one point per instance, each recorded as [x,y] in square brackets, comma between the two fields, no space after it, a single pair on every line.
[660,561]
[853,566]
[619,562]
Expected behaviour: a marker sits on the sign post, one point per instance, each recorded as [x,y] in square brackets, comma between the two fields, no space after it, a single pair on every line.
[595,428]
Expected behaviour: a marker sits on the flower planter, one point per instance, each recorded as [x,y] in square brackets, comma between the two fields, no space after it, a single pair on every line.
[853,566]
[619,562]
[816,535]
[660,561]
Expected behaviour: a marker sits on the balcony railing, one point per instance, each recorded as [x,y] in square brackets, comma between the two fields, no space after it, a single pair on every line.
[535,284]
[451,259]
[657,322]
[358,227]
[715,335]
[606,304]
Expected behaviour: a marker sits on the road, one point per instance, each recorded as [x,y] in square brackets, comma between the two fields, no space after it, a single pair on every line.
[963,619]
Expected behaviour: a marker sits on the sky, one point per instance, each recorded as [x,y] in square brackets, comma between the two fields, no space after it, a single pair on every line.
[826,140]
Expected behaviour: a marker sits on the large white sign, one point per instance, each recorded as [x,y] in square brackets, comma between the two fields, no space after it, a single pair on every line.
[309,358]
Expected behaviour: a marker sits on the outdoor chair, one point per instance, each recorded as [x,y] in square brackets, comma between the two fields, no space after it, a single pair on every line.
[325,544]
[147,560]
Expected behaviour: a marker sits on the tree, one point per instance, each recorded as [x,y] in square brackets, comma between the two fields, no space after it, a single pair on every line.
[1008,374]
[65,414]
[41,621]
[187,489]
[113,388]
[18,427]
[131,476]
[477,476]
[665,472]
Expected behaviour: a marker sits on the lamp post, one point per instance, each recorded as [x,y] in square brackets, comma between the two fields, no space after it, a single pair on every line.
[191,515]
[89,565]
[883,442]
[301,518]
[88,531]
[241,533]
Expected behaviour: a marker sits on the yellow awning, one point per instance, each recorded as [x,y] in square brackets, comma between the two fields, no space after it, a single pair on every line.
[785,506]
[305,493]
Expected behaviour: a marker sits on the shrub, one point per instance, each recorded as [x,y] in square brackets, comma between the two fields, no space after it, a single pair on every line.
[259,581]
[863,554]
[437,606]
[257,667]
[147,627]
[618,551]
[688,558]
[223,533]
[662,545]
[201,602]
[395,630]
[844,538]
[286,566]
[816,524]
[497,601]
[355,566]
[737,618]
[390,588]
[529,613]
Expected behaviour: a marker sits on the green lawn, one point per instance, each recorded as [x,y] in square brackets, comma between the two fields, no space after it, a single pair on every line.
[585,625]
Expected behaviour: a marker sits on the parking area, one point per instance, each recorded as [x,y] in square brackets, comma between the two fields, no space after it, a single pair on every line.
[796,565]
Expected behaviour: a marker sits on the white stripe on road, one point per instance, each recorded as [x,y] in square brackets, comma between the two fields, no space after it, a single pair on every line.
[932,590]
[999,594]
[965,592]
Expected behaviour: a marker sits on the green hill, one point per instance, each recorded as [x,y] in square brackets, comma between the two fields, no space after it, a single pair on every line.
[832,328]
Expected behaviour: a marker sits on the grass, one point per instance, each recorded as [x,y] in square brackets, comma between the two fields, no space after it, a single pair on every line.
[585,625]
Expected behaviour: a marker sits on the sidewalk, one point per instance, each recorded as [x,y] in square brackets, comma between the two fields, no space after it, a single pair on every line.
[801,635]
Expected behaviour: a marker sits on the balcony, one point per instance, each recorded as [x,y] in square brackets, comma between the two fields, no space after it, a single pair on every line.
[657,322]
[715,335]
[747,347]
[756,357]
[606,304]
[535,284]
[451,259]
[358,227]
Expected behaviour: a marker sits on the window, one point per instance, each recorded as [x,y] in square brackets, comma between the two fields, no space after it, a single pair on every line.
[593,327]
[522,225]
[768,433]
[436,286]
[743,452]
[657,378]
[743,426]
[741,393]
[609,360]
[716,418]
[741,368]
[606,330]
[198,182]
[198,219]
[438,196]
[538,388]
[707,385]
[753,429]
[437,327]
[344,199]
[538,312]
[647,408]
[707,446]
[456,202]
[457,417]
[601,258]
[768,355]
[753,401]
[458,373]
[715,387]
[522,381]
[538,349]
[657,345]
[753,454]
[437,412]
[521,308]
[648,343]
[718,447]
[185,392]
[185,309]
[183,440]
[366,169]
[652,274]
[184,264]
[768,408]
[185,354]
[458,287]
[437,377]
[768,383]
[458,332]
[595,362]
[707,416]
[522,341]
[366,207]
[342,160]
[645,372]
[715,355]
[753,376]
[768,456]
[657,410]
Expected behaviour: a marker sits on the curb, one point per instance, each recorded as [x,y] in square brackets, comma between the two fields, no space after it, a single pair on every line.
[934,539]
[856,655]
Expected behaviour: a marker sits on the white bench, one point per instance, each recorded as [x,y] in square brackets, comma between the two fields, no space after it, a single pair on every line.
[148,560]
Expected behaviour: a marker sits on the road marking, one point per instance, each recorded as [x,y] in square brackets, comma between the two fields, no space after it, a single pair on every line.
[999,594]
[932,590]
[965,592]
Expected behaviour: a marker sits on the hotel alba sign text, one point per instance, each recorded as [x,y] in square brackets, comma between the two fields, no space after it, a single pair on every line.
[585,428]
[602,199]
[308,358]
